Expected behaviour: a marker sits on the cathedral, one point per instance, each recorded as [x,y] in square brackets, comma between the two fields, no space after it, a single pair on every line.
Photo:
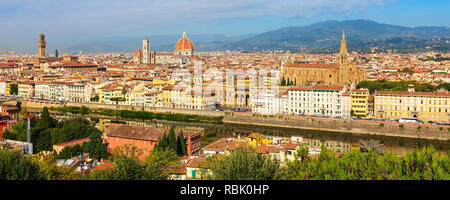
[183,53]
[341,73]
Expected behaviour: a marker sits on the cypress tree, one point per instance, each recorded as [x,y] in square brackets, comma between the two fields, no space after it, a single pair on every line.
[157,144]
[181,145]
[172,139]
[165,142]
[283,81]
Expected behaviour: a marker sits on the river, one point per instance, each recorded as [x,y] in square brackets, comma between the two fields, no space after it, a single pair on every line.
[336,141]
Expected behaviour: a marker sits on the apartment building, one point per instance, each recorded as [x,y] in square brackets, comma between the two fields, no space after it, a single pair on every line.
[80,93]
[323,100]
[42,90]
[425,106]
[360,102]
[266,103]
[26,89]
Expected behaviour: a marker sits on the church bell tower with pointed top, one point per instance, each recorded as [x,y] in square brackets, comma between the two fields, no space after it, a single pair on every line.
[343,54]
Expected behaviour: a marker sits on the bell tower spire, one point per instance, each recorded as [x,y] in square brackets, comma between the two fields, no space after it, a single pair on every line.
[343,54]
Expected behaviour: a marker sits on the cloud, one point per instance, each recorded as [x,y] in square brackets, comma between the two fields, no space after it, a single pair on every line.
[132,13]
[81,19]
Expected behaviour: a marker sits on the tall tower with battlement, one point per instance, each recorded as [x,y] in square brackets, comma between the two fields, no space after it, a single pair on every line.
[42,44]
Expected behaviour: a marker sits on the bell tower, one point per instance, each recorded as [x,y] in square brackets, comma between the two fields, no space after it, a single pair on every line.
[343,54]
[344,68]
[42,45]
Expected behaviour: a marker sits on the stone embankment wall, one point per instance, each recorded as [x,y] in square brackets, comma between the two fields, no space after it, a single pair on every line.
[344,125]
[42,104]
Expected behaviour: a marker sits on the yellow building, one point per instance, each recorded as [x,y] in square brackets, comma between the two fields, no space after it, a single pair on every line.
[256,139]
[157,81]
[26,89]
[359,102]
[425,106]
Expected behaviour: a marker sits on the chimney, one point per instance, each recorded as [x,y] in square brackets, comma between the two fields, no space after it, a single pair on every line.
[411,88]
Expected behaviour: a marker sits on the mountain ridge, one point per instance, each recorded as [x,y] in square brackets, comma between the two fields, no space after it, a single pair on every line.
[360,33]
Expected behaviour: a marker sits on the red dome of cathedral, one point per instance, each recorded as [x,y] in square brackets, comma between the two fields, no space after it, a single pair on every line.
[138,53]
[184,43]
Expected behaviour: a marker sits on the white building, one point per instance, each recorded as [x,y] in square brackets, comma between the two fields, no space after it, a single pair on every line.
[42,90]
[266,103]
[57,91]
[346,105]
[3,86]
[316,100]
[78,92]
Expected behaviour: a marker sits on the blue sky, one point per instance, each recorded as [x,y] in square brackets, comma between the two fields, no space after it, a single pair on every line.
[69,21]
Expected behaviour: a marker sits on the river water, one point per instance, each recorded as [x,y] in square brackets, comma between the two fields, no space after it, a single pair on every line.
[336,141]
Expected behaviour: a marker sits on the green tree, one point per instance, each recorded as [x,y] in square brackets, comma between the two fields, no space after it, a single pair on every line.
[127,166]
[70,152]
[13,89]
[181,145]
[355,165]
[95,147]
[283,81]
[84,110]
[162,158]
[172,139]
[15,166]
[50,171]
[244,164]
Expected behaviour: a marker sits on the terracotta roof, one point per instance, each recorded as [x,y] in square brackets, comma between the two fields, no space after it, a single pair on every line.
[264,148]
[178,169]
[313,65]
[218,145]
[74,142]
[73,64]
[317,87]
[406,93]
[141,133]
[197,162]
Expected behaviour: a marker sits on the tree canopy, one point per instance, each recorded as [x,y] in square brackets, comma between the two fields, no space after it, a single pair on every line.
[244,164]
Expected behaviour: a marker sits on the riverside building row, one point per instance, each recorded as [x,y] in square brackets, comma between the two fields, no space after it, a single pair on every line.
[337,101]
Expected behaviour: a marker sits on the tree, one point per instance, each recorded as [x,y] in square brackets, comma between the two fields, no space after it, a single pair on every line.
[162,158]
[84,110]
[13,89]
[172,139]
[355,165]
[49,169]
[163,142]
[15,166]
[283,81]
[95,99]
[127,166]
[95,147]
[244,164]
[181,145]
[70,152]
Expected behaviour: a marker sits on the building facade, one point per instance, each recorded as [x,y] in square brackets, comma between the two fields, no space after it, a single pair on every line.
[341,73]
[425,106]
